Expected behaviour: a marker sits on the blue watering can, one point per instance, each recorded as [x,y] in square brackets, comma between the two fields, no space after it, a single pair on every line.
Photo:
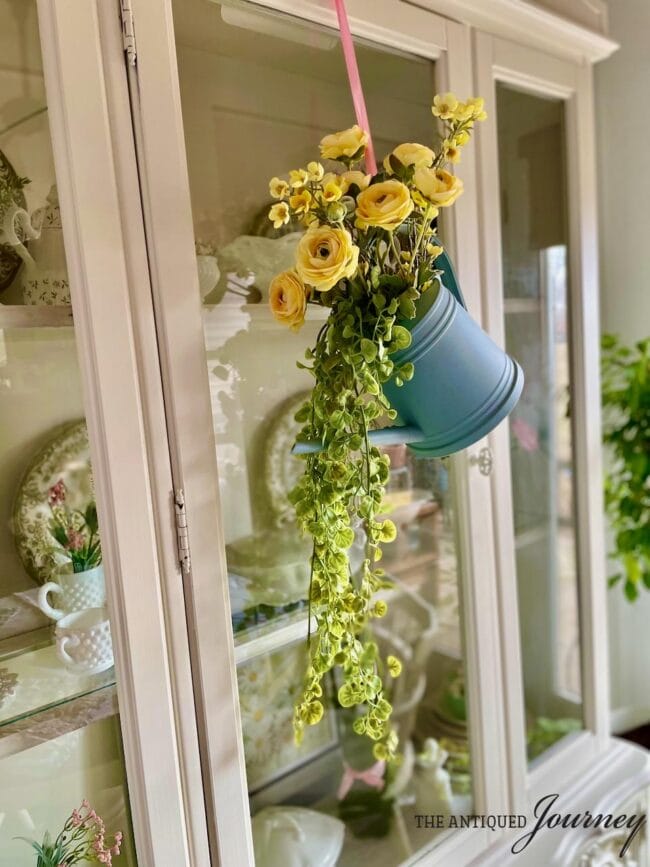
[463,384]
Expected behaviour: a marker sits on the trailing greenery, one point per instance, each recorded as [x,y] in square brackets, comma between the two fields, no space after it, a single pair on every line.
[626,432]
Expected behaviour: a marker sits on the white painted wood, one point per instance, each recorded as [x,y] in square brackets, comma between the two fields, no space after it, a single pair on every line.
[85,171]
[484,675]
[528,24]
[180,332]
[497,59]
[155,428]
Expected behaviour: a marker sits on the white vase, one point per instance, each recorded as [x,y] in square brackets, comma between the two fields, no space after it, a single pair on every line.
[75,591]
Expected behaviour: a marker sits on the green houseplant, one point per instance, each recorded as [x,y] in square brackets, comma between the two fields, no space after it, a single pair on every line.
[626,433]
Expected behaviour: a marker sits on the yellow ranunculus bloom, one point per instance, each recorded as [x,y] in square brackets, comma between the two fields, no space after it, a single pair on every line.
[386,205]
[298,178]
[279,214]
[332,192]
[316,171]
[438,186]
[326,255]
[410,154]
[278,188]
[444,105]
[353,177]
[301,202]
[288,299]
[344,144]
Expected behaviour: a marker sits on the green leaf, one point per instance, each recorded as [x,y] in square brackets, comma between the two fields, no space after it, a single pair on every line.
[368,350]
[401,338]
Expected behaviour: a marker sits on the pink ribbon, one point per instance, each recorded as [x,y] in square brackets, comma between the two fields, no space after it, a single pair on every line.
[355,82]
[373,777]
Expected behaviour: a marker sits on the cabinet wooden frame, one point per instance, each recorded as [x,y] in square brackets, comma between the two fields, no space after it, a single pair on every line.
[165,187]
[99,283]
[499,60]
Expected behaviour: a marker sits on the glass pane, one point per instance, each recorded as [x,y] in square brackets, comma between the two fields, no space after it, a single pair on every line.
[532,169]
[59,729]
[258,93]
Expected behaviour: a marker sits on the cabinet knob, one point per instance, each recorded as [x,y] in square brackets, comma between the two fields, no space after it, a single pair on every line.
[483,460]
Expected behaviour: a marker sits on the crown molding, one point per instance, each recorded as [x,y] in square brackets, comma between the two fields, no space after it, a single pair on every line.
[530,24]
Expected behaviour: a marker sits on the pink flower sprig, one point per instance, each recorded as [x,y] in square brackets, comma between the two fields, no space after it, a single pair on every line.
[76,532]
[82,839]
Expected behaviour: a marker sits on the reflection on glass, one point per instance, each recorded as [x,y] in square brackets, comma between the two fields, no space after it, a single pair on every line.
[258,93]
[532,167]
[59,729]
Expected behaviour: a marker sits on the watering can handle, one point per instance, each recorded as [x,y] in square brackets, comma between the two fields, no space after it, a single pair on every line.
[449,277]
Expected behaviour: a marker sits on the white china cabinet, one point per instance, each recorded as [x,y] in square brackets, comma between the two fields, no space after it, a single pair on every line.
[161,121]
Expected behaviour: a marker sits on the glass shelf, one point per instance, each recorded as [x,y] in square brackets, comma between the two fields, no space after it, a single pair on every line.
[43,683]
[33,316]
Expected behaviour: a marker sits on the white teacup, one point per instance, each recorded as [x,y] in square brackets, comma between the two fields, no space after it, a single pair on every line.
[75,591]
[83,641]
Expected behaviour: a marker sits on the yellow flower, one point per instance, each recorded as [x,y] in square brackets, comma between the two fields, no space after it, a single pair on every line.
[279,214]
[451,151]
[301,202]
[461,138]
[410,154]
[463,111]
[347,179]
[326,255]
[298,178]
[434,250]
[444,105]
[316,171]
[288,299]
[348,143]
[394,666]
[386,204]
[476,104]
[438,186]
[332,192]
[278,188]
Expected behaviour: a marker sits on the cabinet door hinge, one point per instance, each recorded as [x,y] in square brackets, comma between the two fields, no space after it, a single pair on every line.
[182,538]
[128,32]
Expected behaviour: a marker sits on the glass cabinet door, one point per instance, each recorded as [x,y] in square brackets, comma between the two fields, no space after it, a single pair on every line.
[258,90]
[60,741]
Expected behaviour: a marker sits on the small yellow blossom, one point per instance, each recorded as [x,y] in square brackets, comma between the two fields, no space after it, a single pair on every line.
[279,215]
[476,104]
[316,171]
[331,192]
[278,188]
[461,138]
[434,250]
[301,202]
[298,178]
[394,666]
[451,151]
[444,105]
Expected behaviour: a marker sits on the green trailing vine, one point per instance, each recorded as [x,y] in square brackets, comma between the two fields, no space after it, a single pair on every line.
[626,433]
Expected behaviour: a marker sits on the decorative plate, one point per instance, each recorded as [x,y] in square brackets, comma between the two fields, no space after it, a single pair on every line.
[65,456]
[282,469]
[10,261]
